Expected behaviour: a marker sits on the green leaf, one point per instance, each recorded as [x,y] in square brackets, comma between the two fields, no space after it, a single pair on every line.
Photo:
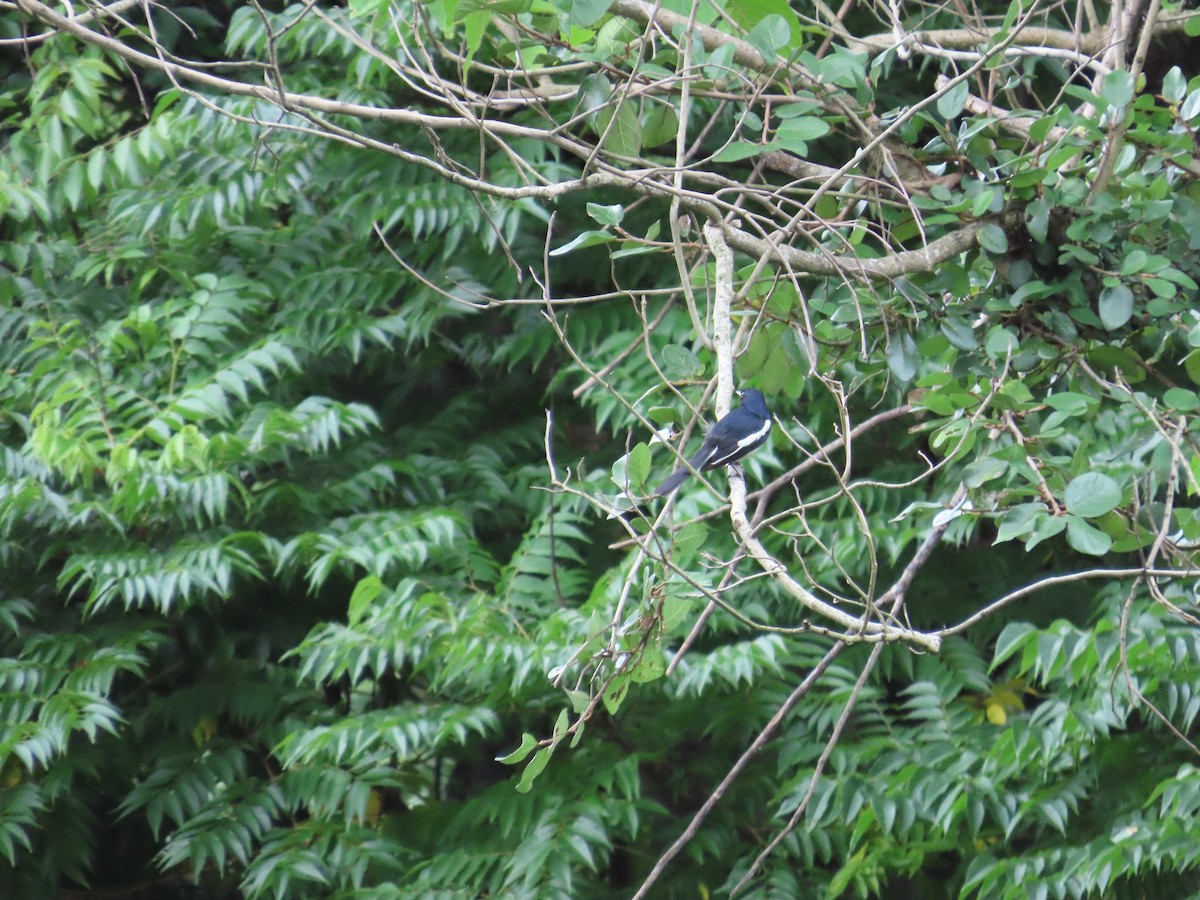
[1092,494]
[993,239]
[1019,521]
[528,742]
[615,693]
[1117,87]
[1190,109]
[661,125]
[606,215]
[638,467]
[363,596]
[1015,8]
[802,128]
[616,36]
[1121,359]
[1012,639]
[1046,527]
[651,667]
[951,103]
[1174,86]
[679,363]
[1135,261]
[1001,342]
[72,184]
[475,26]
[903,357]
[674,610]
[983,470]
[533,769]
[594,91]
[623,136]
[748,13]
[688,541]
[1074,251]
[561,724]
[587,12]
[982,202]
[586,239]
[959,333]
[740,150]
[1116,306]
[1037,220]
[770,34]
[1181,399]
[491,8]
[1087,539]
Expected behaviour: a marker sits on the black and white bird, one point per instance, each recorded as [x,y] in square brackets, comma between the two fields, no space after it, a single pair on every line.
[741,431]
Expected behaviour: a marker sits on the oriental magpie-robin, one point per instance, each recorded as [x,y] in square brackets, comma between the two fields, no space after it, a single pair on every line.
[741,431]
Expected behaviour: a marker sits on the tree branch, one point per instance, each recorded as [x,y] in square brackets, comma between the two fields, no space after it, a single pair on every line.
[904,262]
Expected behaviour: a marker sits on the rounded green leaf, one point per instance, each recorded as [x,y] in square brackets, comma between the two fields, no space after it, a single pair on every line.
[983,470]
[903,358]
[1191,106]
[622,130]
[993,239]
[804,128]
[1047,527]
[1092,494]
[1019,521]
[950,104]
[606,215]
[1086,538]
[660,125]
[689,540]
[1117,88]
[959,333]
[678,362]
[652,666]
[740,150]
[639,465]
[615,693]
[1181,398]
[587,12]
[1191,365]
[770,34]
[1037,220]
[1116,306]
[1174,85]
[1000,343]
[1135,261]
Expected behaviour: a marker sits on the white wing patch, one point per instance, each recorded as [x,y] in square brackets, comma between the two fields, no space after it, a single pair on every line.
[749,441]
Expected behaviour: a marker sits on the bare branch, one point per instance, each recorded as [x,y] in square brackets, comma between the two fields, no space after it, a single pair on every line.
[1053,580]
[750,752]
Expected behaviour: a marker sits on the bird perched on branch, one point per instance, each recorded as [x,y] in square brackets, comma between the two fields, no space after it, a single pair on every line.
[741,431]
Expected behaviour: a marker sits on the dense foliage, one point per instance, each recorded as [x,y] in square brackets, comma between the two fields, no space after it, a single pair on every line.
[333,342]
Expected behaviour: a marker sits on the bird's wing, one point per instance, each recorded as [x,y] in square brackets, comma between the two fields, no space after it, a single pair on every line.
[702,458]
[735,450]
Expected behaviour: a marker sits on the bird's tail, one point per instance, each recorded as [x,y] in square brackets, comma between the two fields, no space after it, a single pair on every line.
[678,477]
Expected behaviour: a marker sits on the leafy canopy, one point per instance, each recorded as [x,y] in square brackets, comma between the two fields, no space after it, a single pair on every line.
[331,336]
